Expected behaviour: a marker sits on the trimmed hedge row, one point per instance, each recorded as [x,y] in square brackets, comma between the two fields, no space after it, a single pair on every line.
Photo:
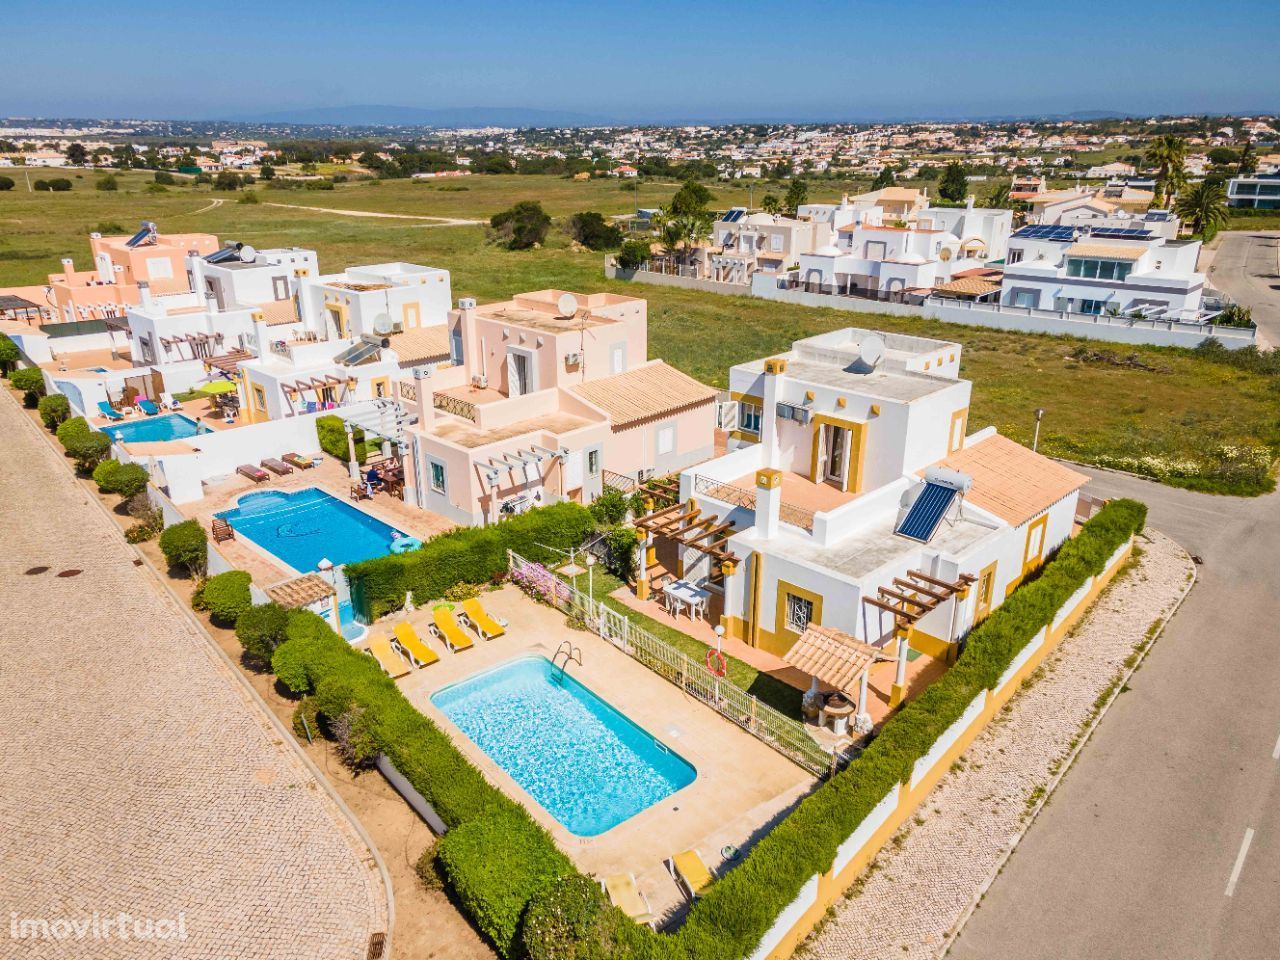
[467,555]
[495,856]
[331,431]
[506,871]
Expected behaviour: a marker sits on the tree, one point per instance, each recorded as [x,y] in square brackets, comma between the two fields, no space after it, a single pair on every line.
[108,183]
[693,197]
[954,183]
[1203,207]
[634,253]
[267,172]
[184,544]
[522,226]
[6,183]
[9,354]
[54,409]
[883,179]
[590,229]
[261,629]
[998,199]
[1222,156]
[164,178]
[1248,160]
[771,204]
[77,155]
[30,380]
[796,196]
[1168,153]
[226,180]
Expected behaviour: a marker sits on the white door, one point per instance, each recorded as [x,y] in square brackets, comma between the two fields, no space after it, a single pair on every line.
[517,374]
[573,471]
[618,358]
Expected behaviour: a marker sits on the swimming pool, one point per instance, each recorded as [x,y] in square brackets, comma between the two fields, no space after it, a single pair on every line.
[307,526]
[168,426]
[586,763]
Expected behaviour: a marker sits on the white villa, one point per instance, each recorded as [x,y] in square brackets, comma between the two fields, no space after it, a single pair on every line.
[855,498]
[1100,270]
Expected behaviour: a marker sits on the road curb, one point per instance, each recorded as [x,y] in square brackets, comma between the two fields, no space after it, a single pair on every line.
[1068,762]
[286,735]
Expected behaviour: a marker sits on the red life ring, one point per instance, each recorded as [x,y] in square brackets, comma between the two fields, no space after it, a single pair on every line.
[717,663]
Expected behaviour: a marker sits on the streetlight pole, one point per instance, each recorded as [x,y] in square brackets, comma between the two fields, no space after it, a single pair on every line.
[1035,441]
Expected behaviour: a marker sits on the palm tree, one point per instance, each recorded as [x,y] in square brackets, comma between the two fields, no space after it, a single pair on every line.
[693,228]
[1169,154]
[999,197]
[1204,208]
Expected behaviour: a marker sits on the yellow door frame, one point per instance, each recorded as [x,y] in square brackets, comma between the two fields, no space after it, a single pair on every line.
[853,468]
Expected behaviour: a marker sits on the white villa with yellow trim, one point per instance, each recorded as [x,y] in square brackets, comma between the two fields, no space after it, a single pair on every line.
[838,442]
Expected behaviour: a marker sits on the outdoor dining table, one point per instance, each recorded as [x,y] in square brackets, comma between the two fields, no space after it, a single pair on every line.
[687,595]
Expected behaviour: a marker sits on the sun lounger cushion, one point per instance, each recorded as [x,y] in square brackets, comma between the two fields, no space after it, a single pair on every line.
[391,662]
[299,461]
[278,467]
[485,625]
[106,410]
[448,629]
[147,407]
[626,896]
[256,474]
[692,869]
[412,644]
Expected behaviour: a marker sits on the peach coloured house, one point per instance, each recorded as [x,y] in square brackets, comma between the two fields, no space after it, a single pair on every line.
[545,395]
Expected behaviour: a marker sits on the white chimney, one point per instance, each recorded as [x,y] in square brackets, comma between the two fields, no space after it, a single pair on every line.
[144,295]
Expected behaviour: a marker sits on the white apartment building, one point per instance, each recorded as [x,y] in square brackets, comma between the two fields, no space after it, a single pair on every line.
[1103,271]
[1261,192]
[742,243]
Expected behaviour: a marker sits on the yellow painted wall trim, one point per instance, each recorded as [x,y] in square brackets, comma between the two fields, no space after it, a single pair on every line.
[783,636]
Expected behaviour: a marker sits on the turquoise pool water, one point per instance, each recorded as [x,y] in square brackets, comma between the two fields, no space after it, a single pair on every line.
[168,426]
[584,761]
[307,526]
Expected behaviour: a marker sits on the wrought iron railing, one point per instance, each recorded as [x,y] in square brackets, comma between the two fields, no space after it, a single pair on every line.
[618,481]
[736,496]
[408,391]
[455,405]
[766,724]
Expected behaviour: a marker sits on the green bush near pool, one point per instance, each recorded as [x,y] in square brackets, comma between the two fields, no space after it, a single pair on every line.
[226,596]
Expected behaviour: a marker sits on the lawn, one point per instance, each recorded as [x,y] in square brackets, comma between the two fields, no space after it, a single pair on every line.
[1177,417]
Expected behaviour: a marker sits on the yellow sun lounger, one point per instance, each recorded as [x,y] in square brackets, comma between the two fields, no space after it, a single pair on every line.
[380,648]
[418,652]
[690,872]
[626,896]
[474,613]
[445,626]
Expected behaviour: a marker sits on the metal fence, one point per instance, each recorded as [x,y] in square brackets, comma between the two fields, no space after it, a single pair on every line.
[736,496]
[785,735]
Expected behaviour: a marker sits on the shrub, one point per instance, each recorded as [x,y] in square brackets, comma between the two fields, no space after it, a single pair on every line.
[155,188]
[353,732]
[634,253]
[164,178]
[54,410]
[332,433]
[249,196]
[462,591]
[6,183]
[620,560]
[126,479]
[572,920]
[428,870]
[261,629]
[466,555]
[86,446]
[186,545]
[521,226]
[306,722]
[9,354]
[592,231]
[226,180]
[30,380]
[108,183]
[610,507]
[226,595]
[494,865]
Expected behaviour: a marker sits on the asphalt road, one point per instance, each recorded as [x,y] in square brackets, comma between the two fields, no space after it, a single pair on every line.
[1140,853]
[1247,266]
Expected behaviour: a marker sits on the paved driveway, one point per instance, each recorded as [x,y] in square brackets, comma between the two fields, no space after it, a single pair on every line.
[1247,266]
[136,775]
[1141,853]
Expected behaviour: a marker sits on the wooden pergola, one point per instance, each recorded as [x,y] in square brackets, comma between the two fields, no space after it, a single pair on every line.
[835,658]
[684,523]
[11,306]
[910,599]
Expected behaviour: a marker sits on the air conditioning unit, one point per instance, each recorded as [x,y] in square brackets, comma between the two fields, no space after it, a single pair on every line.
[645,474]
[480,381]
[572,359]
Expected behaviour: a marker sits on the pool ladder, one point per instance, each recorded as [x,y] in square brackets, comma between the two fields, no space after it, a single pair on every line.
[571,651]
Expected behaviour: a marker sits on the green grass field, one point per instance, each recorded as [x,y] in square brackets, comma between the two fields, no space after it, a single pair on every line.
[1174,421]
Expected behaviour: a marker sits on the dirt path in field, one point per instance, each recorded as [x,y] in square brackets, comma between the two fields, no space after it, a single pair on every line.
[435,221]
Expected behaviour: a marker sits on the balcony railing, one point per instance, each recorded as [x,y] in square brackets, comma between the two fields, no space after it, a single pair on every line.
[619,481]
[458,407]
[408,391]
[736,496]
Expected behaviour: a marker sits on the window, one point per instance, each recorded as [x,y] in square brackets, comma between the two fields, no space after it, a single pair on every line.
[799,613]
[593,463]
[1098,269]
[159,268]
[437,477]
[280,288]
[1027,298]
[380,389]
[666,439]
[259,397]
[775,243]
[1015,255]
[749,416]
[1091,307]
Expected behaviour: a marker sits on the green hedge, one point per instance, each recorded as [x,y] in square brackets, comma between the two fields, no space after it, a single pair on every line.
[185,544]
[467,555]
[86,446]
[54,410]
[332,434]
[498,861]
[30,380]
[225,595]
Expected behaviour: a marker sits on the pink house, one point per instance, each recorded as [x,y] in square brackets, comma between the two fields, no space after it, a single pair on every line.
[547,394]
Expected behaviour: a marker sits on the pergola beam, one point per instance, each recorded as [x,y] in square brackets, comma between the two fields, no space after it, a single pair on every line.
[903,598]
[928,592]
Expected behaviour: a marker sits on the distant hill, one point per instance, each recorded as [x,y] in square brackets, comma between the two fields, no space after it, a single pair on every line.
[382,115]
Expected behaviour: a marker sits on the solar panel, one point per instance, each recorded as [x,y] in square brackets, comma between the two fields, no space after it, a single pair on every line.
[146,233]
[1157,216]
[1121,233]
[733,215]
[927,512]
[223,256]
[1043,231]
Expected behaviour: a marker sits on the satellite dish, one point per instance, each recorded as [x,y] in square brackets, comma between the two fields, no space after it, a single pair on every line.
[248,254]
[382,323]
[871,350]
[567,304]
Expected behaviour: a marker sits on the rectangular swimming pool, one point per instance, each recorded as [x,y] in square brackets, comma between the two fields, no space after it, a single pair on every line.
[168,426]
[586,763]
[307,526]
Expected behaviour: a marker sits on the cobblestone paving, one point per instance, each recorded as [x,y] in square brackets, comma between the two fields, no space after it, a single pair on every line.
[136,775]
[927,876]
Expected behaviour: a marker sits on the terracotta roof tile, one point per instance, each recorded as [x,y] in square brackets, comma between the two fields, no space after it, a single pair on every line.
[421,344]
[653,390]
[301,591]
[833,657]
[1010,481]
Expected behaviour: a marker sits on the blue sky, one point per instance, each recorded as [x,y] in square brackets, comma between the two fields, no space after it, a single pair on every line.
[642,61]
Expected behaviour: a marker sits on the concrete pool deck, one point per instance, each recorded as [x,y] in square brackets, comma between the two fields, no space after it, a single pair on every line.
[742,787]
